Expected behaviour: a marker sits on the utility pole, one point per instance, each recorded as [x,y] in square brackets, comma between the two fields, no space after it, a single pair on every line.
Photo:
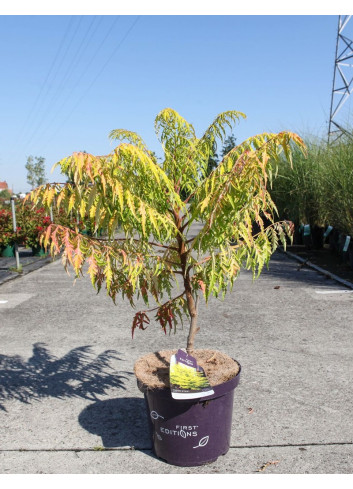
[342,85]
[15,229]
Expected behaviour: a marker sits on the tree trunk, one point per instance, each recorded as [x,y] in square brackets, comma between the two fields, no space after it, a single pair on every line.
[192,306]
[191,303]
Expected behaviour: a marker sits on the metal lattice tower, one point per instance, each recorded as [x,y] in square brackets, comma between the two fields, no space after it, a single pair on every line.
[342,79]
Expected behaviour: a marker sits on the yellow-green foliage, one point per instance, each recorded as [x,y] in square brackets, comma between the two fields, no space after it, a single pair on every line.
[186,377]
[130,189]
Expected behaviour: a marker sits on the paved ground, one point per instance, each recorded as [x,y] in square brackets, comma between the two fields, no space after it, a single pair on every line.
[28,262]
[69,401]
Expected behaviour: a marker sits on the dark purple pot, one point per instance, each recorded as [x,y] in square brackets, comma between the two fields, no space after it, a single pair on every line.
[194,432]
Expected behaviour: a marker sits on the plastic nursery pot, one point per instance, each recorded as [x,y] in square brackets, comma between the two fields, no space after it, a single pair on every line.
[193,432]
[318,237]
[8,251]
[350,255]
[38,251]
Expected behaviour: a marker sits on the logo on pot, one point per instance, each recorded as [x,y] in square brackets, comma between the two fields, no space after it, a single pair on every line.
[203,442]
[183,431]
[155,415]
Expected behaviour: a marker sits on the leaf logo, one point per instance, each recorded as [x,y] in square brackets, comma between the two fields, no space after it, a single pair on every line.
[155,415]
[182,433]
[203,442]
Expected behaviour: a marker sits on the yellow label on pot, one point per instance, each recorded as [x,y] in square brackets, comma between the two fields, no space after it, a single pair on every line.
[187,379]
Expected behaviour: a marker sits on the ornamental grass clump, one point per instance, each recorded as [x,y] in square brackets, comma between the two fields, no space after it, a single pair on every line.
[318,189]
[338,184]
[154,204]
[298,190]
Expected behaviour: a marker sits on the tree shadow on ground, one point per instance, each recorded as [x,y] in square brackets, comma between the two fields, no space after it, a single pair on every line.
[79,373]
[283,267]
[121,422]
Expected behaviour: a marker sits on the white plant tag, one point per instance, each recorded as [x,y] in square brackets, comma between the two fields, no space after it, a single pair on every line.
[346,243]
[327,232]
[307,230]
[187,379]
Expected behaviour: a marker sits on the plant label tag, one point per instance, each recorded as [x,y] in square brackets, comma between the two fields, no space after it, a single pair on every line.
[187,379]
[327,232]
[307,231]
[346,244]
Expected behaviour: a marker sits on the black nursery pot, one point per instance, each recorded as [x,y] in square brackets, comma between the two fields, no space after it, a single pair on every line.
[193,432]
[318,237]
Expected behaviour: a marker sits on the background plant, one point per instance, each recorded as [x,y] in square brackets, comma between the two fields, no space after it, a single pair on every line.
[31,224]
[131,189]
[317,191]
[298,191]
[35,171]
[338,184]
[7,234]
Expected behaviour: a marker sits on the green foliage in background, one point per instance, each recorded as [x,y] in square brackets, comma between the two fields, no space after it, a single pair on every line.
[5,194]
[35,171]
[318,189]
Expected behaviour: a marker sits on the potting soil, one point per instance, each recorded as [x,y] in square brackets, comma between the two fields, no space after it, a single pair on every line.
[153,368]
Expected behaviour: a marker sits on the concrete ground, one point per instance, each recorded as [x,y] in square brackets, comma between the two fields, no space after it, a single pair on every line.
[69,403]
[27,262]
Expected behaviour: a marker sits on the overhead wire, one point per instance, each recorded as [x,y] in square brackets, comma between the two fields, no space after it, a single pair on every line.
[99,73]
[45,81]
[80,75]
[74,59]
[41,121]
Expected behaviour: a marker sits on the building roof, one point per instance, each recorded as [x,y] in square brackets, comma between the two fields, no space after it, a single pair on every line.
[3,186]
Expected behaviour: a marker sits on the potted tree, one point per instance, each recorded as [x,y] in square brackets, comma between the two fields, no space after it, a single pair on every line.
[155,205]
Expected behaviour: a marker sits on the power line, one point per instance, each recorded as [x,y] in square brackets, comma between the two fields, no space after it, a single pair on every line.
[96,77]
[46,79]
[67,98]
[75,56]
[57,69]
[104,66]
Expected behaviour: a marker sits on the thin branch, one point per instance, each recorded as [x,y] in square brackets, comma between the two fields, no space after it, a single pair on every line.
[172,263]
[191,239]
[207,258]
[137,241]
[168,302]
[163,246]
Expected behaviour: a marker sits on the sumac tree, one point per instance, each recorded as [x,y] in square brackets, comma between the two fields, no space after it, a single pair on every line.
[129,188]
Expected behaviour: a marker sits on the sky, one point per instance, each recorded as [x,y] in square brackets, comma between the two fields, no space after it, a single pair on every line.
[68,80]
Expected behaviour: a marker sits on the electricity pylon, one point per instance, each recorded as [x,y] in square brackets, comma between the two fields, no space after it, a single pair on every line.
[342,85]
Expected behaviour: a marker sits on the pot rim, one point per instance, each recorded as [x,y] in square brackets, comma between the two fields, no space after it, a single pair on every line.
[219,389]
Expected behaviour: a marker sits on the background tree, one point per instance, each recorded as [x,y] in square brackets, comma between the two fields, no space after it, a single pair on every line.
[5,194]
[35,171]
[155,252]
[212,159]
[228,145]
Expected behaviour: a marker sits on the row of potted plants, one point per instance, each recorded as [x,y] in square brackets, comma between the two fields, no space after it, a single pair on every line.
[315,237]
[30,224]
